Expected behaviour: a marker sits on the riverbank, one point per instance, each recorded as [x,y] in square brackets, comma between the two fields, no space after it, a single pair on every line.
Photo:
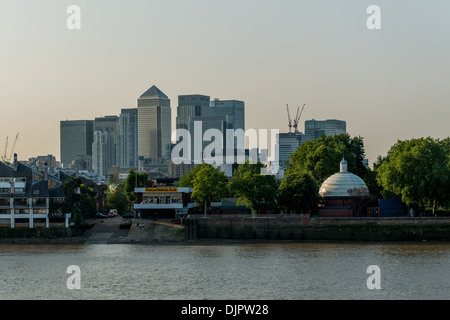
[238,230]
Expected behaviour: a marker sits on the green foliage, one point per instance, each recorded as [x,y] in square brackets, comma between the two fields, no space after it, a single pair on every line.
[187,180]
[418,171]
[321,157]
[257,191]
[79,199]
[116,198]
[209,185]
[134,180]
[299,193]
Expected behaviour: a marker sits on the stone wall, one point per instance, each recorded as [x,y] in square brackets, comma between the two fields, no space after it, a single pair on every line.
[318,229]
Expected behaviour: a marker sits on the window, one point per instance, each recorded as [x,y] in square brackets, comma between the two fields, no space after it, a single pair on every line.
[5,190]
[19,190]
[4,202]
[39,202]
[20,202]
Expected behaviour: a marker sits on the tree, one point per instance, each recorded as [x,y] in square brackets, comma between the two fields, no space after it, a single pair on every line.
[359,199]
[134,180]
[298,193]
[116,198]
[79,199]
[187,180]
[209,185]
[418,171]
[321,157]
[257,191]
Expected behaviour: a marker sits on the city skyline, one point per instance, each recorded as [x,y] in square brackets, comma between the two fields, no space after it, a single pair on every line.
[386,84]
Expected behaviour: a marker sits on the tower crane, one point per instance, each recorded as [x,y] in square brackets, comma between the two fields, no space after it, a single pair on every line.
[297,118]
[289,117]
[6,148]
[14,145]
[4,156]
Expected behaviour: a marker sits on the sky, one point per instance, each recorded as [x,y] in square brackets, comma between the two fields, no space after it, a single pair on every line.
[388,84]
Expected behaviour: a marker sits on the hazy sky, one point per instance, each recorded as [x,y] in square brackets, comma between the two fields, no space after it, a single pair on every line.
[387,84]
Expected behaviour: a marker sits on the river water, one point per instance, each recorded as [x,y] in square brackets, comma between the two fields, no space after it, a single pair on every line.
[226,272]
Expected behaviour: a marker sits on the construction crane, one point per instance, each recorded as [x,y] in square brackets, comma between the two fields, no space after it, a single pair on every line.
[6,149]
[289,117]
[12,149]
[297,118]
[5,157]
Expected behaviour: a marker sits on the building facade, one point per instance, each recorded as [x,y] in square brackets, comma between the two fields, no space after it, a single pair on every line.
[27,195]
[154,125]
[76,137]
[287,143]
[128,138]
[316,128]
[103,152]
[194,105]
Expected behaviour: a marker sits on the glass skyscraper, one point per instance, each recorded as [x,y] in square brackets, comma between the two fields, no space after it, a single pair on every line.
[76,137]
[315,128]
[194,105]
[154,125]
[128,138]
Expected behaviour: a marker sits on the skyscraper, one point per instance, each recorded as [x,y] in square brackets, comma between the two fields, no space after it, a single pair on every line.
[76,137]
[128,138]
[110,124]
[192,106]
[315,128]
[154,124]
[287,143]
[234,109]
[103,152]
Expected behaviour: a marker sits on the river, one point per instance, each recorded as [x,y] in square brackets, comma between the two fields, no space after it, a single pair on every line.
[221,272]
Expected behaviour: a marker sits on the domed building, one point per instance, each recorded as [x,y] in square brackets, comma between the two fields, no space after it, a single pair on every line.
[340,191]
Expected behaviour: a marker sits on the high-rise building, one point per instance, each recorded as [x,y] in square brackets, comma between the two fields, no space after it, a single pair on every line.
[154,125]
[110,124]
[76,137]
[194,105]
[287,143]
[199,141]
[316,128]
[103,152]
[234,109]
[128,138]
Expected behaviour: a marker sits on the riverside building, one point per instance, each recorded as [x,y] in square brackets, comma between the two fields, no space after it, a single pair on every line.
[27,195]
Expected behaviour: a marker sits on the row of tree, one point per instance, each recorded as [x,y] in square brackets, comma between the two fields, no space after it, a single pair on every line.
[416,170]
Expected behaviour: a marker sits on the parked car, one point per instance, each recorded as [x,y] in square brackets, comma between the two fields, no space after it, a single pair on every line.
[100,216]
[128,216]
[111,215]
[113,212]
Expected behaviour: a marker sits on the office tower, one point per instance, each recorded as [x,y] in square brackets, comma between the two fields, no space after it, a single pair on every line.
[197,128]
[235,112]
[315,128]
[234,109]
[76,137]
[154,125]
[287,143]
[192,106]
[128,138]
[103,152]
[110,124]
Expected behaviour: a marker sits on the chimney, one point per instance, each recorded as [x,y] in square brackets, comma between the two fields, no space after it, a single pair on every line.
[15,162]
[45,172]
